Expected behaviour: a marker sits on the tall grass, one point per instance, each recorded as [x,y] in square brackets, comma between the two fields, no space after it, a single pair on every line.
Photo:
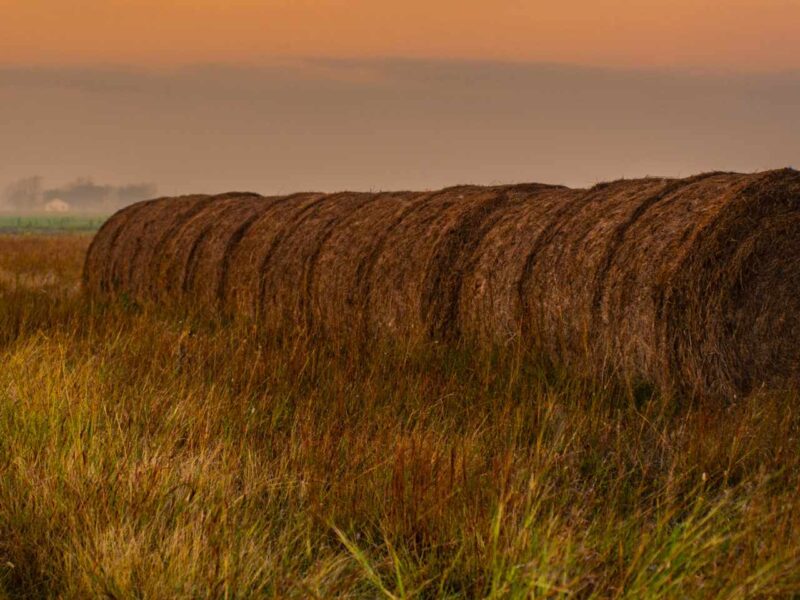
[153,454]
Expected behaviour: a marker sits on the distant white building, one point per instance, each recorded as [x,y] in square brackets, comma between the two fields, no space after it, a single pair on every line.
[57,205]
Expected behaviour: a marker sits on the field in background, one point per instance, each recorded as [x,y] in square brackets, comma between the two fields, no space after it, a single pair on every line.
[10,224]
[149,454]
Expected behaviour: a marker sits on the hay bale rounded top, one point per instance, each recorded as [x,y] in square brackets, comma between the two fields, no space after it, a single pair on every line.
[690,284]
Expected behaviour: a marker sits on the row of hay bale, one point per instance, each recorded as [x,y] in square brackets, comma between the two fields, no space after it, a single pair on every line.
[690,284]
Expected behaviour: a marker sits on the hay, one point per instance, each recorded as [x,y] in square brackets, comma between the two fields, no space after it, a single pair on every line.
[691,284]
[215,234]
[413,278]
[142,239]
[249,280]
[731,313]
[288,279]
[492,303]
[103,249]
[342,274]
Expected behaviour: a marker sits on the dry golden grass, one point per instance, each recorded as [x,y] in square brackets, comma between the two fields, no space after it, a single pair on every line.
[158,454]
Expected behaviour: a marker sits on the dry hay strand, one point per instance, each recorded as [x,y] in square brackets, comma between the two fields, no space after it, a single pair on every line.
[689,284]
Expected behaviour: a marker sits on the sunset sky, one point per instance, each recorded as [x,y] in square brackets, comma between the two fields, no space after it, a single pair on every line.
[730,34]
[282,95]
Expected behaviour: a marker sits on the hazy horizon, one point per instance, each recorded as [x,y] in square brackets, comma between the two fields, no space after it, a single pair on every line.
[330,125]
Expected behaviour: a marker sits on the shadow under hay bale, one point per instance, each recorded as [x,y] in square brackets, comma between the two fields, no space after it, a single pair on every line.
[692,285]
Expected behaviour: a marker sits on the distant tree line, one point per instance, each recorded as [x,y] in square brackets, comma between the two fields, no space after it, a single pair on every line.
[82,195]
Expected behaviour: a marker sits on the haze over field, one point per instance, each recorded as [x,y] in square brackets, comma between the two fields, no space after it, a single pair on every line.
[330,124]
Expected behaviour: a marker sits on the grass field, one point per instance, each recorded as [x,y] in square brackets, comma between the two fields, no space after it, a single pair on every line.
[155,455]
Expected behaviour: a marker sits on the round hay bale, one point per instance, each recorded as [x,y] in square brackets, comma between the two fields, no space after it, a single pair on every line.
[638,266]
[219,228]
[730,313]
[142,239]
[303,251]
[252,264]
[692,284]
[412,284]
[343,270]
[561,274]
[492,303]
[103,249]
[169,271]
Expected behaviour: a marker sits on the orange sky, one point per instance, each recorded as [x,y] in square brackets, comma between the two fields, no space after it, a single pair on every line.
[728,34]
